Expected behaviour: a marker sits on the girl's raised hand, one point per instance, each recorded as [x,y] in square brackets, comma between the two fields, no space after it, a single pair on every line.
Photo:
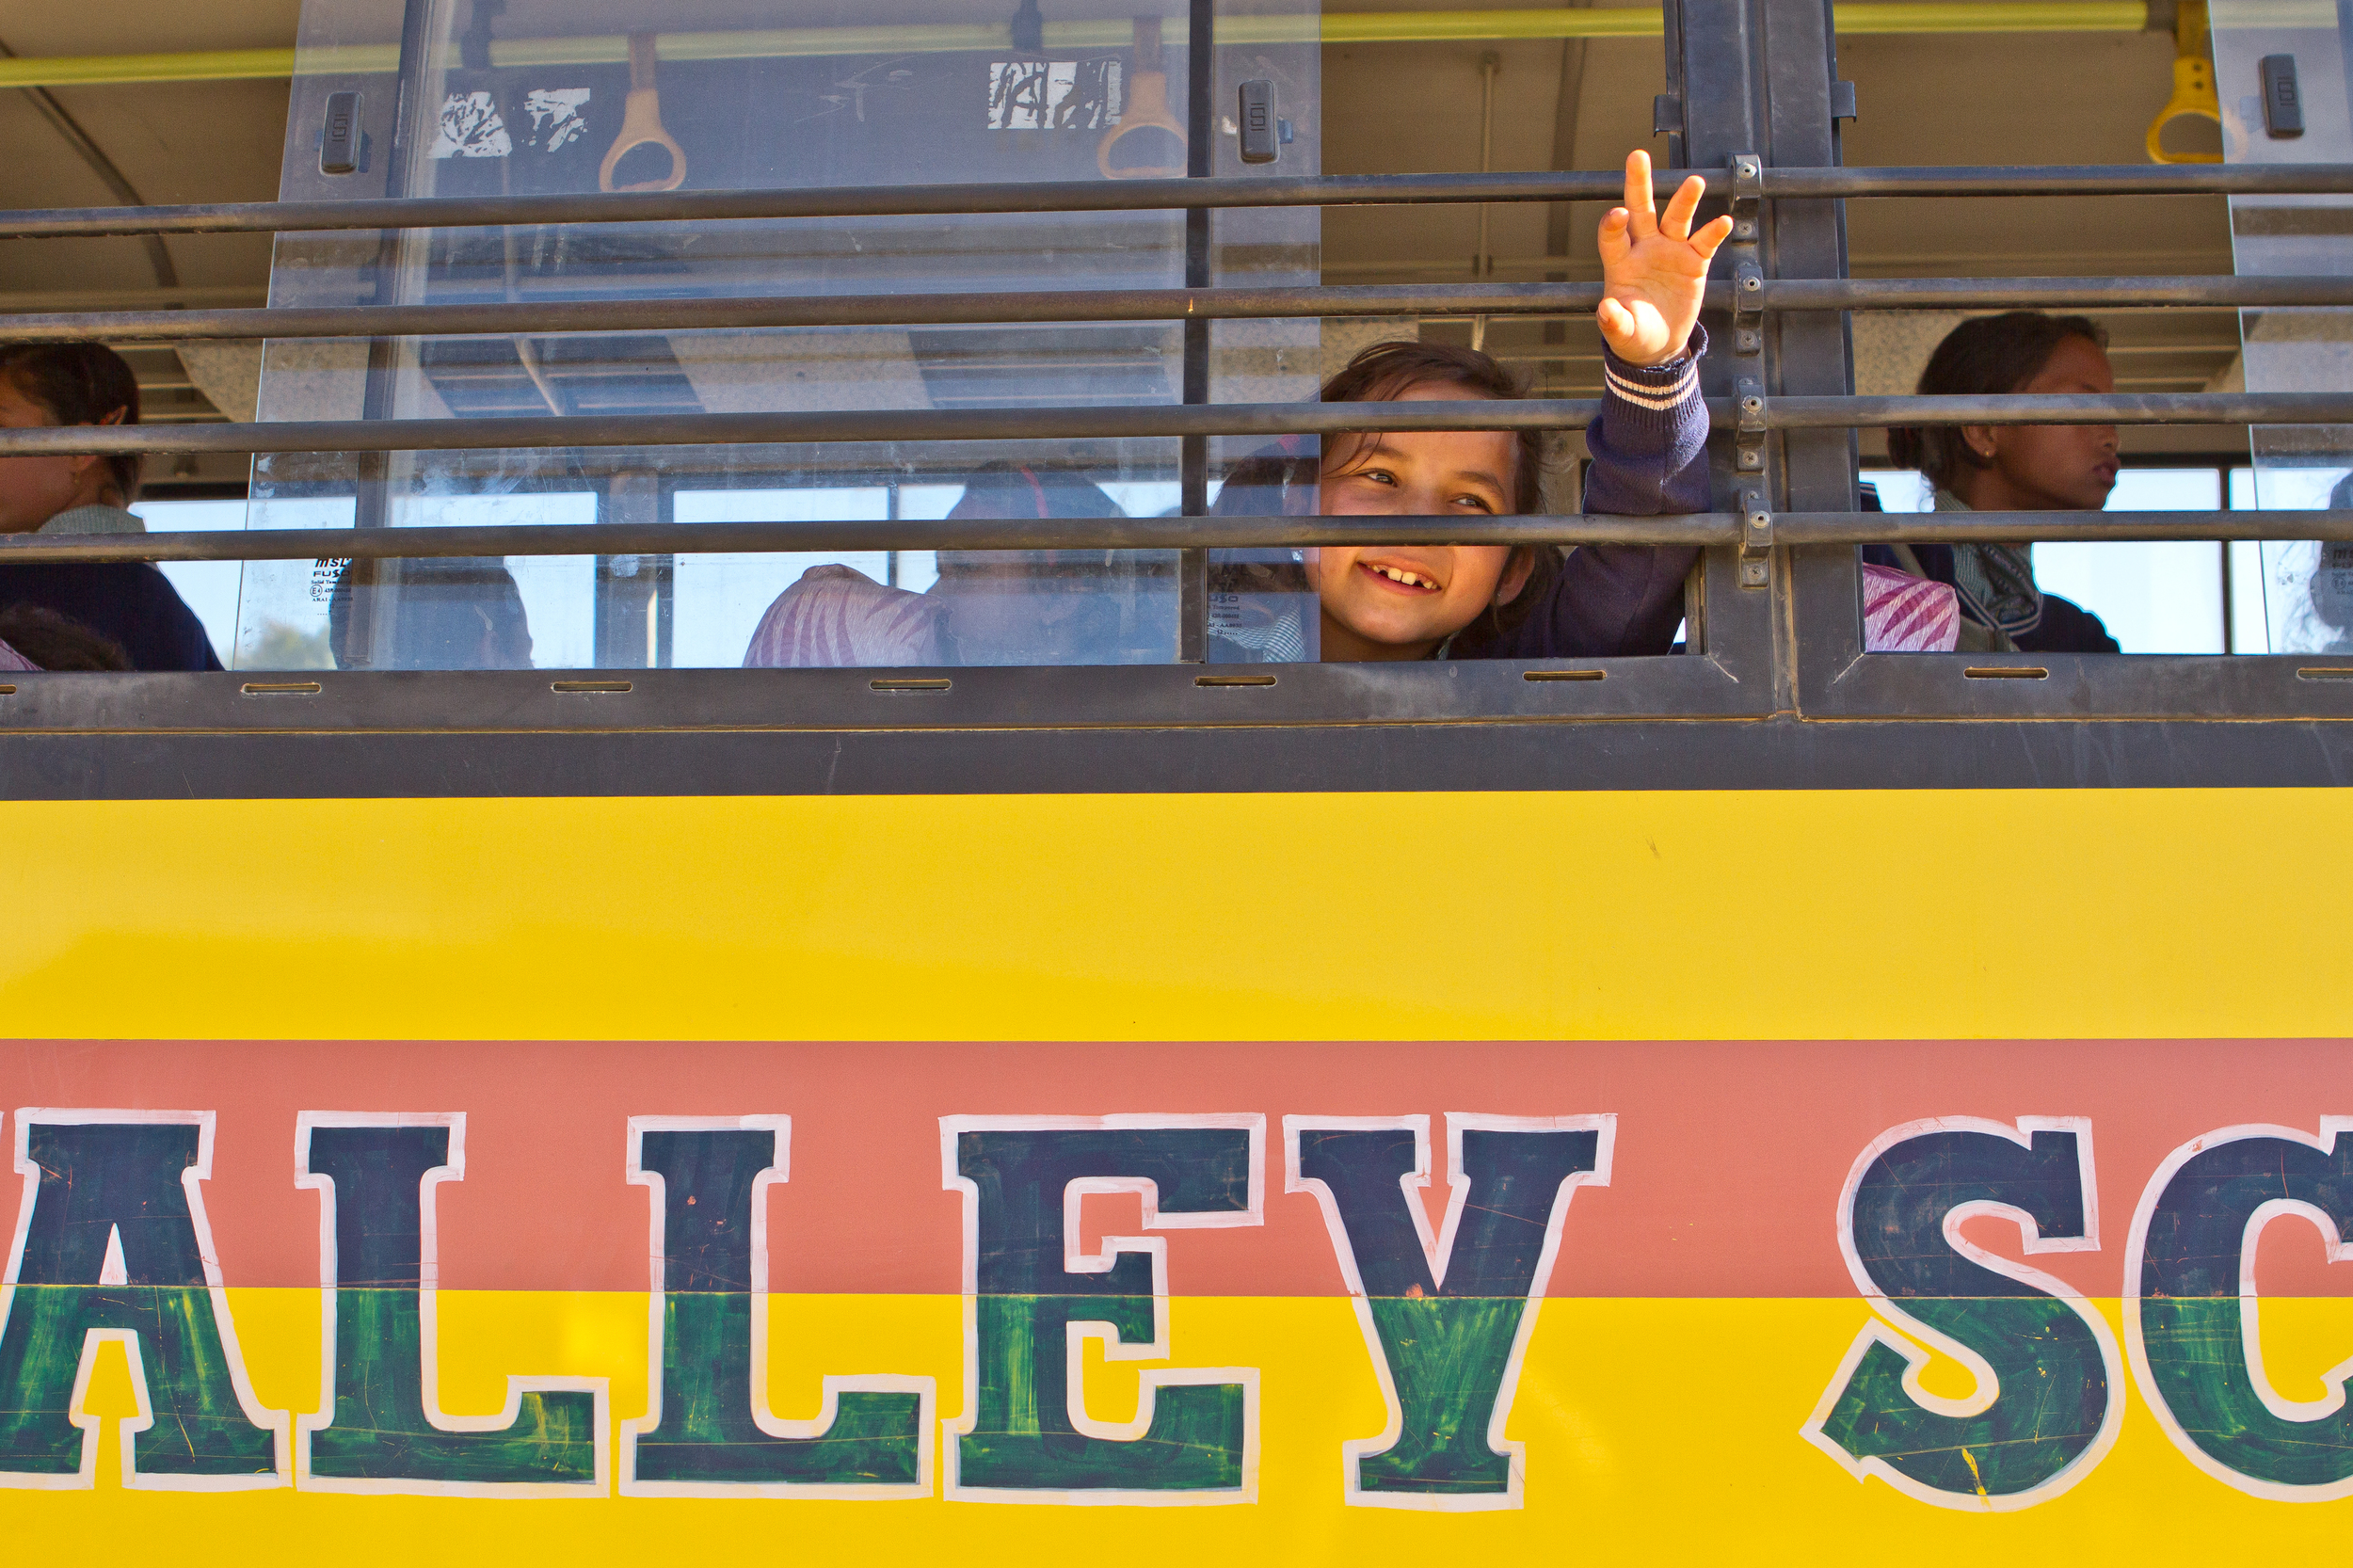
[1654,268]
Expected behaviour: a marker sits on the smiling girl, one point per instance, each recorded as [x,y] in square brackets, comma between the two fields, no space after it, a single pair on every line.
[1649,449]
[1416,601]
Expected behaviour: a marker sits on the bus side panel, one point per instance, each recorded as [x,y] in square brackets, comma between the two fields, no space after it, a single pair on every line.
[1329,1204]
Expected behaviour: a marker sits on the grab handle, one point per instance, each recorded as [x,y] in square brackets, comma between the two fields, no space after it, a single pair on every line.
[641,123]
[1147,110]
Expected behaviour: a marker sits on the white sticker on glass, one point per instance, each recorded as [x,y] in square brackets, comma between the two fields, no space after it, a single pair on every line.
[470,128]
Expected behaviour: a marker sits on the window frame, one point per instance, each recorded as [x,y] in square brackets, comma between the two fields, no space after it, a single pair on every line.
[1748,76]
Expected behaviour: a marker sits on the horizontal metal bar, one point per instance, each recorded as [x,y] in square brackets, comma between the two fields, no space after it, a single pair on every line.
[715,539]
[1143,422]
[1976,179]
[2082,294]
[852,310]
[1840,413]
[1166,533]
[2079,527]
[1065,305]
[895,424]
[1096,196]
[687,206]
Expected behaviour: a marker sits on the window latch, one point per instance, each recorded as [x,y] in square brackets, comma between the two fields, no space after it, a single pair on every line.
[1748,191]
[1748,293]
[2283,104]
[1747,434]
[1756,541]
[1260,132]
[340,137]
[1748,183]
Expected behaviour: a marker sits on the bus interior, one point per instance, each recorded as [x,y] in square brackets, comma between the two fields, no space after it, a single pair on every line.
[1386,91]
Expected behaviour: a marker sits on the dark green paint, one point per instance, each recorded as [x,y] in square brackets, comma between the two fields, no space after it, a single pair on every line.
[1447,1348]
[707,1432]
[1451,1352]
[379,1431]
[97,1179]
[1022,1436]
[2192,1339]
[2052,1397]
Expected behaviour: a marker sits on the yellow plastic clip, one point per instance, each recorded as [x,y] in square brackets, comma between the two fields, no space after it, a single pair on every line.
[2193,86]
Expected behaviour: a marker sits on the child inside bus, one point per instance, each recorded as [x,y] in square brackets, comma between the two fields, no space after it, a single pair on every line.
[126,602]
[1649,449]
[1498,602]
[2010,468]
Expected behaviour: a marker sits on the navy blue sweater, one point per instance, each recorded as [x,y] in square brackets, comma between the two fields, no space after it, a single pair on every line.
[128,600]
[1650,459]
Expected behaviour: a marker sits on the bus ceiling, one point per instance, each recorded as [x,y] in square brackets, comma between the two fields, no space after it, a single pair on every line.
[1980,81]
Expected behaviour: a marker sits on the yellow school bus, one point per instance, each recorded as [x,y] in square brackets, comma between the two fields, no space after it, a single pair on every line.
[502,1068]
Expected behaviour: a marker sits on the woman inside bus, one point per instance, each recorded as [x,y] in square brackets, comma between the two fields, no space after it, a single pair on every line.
[126,602]
[2010,468]
[1422,601]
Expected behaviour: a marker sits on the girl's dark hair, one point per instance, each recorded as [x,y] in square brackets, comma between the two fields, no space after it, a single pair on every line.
[57,642]
[79,383]
[1387,369]
[1989,355]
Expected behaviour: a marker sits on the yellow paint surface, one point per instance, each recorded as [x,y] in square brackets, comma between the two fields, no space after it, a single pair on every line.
[1655,1430]
[1559,916]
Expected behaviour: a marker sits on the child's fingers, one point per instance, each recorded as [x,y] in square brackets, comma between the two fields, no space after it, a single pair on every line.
[1707,239]
[1611,239]
[1642,211]
[1616,320]
[1676,225]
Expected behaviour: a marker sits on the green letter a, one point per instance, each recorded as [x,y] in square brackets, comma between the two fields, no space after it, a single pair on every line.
[113,1245]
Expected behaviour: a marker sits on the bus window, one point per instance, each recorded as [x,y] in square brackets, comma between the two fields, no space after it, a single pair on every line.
[2153,596]
[520,611]
[207,587]
[2308,586]
[538,103]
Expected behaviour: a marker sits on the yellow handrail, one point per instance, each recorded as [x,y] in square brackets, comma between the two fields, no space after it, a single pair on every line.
[2193,86]
[204,65]
[1855,17]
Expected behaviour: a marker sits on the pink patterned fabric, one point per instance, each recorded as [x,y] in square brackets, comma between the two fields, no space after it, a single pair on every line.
[12,660]
[835,616]
[1903,614]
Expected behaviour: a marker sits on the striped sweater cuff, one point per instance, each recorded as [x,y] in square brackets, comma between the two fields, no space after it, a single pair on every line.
[1656,397]
[1657,387]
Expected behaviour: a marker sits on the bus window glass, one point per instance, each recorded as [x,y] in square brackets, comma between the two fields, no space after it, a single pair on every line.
[207,587]
[2151,596]
[537,98]
[517,611]
[2307,586]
